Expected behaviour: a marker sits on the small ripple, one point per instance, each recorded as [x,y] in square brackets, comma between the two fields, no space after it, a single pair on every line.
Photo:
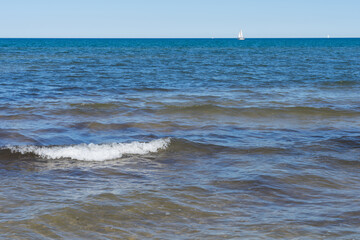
[259,112]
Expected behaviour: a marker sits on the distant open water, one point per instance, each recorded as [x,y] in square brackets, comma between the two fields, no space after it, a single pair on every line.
[180,139]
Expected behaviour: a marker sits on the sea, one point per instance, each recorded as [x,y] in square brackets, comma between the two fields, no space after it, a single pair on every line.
[180,138]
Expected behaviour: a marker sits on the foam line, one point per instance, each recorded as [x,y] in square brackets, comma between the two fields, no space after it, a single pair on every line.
[94,152]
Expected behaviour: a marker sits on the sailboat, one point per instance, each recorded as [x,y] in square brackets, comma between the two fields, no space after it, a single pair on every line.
[241,36]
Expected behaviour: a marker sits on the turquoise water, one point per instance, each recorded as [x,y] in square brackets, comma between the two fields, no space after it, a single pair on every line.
[179,138]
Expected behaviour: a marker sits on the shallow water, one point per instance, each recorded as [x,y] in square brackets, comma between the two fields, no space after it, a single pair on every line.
[179,138]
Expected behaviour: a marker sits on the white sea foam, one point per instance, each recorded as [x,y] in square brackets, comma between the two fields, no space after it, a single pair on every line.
[94,152]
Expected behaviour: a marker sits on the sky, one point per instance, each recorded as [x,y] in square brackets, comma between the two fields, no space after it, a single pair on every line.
[179,18]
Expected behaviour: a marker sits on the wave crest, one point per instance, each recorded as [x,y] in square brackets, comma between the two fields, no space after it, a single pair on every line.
[93,152]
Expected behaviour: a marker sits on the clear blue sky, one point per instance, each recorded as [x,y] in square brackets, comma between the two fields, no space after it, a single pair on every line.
[179,18]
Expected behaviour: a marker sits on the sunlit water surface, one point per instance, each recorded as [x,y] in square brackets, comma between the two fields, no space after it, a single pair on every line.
[179,139]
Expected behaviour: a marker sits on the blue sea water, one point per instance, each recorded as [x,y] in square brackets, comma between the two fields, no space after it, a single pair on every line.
[179,138]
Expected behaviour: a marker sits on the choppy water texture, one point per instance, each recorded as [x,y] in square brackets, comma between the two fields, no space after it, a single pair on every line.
[179,139]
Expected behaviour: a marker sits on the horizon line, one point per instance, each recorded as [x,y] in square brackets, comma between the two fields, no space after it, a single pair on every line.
[175,37]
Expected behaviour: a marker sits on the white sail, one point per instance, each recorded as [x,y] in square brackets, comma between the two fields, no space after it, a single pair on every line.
[241,36]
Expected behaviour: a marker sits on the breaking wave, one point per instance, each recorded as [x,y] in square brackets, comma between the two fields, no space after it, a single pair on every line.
[93,152]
